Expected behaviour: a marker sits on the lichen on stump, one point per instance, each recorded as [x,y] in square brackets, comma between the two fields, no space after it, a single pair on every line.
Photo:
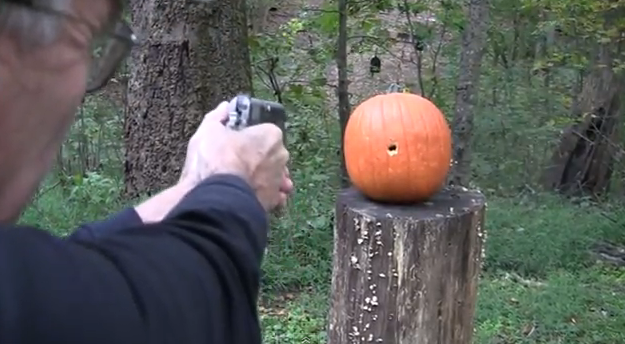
[406,274]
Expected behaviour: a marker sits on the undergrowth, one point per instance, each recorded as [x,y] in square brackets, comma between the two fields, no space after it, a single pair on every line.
[540,284]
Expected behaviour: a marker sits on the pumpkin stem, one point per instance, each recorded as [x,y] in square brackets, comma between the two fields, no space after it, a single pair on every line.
[394,88]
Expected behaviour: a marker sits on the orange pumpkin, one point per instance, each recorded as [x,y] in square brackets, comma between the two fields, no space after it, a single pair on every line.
[397,148]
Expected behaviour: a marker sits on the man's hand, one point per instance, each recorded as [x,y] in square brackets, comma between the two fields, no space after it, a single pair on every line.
[256,154]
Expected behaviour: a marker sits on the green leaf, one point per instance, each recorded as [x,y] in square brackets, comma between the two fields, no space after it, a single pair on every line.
[319,82]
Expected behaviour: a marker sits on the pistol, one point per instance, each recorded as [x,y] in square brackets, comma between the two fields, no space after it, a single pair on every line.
[245,111]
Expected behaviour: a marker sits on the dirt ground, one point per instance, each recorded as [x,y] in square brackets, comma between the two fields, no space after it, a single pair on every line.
[398,61]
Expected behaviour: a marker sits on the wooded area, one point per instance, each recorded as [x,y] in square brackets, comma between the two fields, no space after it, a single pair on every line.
[531,91]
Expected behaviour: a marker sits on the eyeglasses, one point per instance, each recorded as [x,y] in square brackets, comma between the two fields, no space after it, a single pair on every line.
[109,49]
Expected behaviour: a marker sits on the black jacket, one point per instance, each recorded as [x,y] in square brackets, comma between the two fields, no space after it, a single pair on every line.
[192,278]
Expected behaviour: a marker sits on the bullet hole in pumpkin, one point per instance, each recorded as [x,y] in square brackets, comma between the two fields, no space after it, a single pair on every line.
[392,149]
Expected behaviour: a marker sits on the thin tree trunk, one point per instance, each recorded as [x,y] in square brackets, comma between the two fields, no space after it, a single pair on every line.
[473,46]
[343,92]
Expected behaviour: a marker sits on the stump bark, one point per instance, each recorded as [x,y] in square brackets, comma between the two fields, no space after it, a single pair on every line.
[406,274]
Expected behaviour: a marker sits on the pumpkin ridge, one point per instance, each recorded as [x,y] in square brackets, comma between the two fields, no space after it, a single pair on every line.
[408,147]
[371,147]
[429,142]
[390,141]
[358,128]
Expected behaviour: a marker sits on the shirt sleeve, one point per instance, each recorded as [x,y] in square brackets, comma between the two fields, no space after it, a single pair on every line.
[193,278]
[126,218]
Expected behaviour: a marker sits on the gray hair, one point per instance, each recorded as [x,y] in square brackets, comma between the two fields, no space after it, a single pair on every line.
[33,27]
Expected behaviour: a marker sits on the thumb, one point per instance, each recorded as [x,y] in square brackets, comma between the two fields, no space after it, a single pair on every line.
[216,116]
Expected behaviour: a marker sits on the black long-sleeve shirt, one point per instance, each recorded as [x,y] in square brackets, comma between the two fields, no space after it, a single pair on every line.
[192,278]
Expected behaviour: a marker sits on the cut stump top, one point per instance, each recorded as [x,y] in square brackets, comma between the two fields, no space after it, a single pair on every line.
[448,202]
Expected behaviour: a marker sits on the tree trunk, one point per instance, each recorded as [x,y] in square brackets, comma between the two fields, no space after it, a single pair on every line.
[582,162]
[342,89]
[406,274]
[192,56]
[473,46]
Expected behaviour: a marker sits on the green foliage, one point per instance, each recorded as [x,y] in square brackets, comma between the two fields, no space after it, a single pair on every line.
[61,206]
[517,226]
[581,306]
[566,301]
[94,142]
[540,284]
[83,187]
[578,27]
[300,320]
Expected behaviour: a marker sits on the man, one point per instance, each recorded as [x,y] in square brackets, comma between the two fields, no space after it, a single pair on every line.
[181,268]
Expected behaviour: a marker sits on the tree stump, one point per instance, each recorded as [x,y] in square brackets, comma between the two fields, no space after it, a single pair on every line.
[406,274]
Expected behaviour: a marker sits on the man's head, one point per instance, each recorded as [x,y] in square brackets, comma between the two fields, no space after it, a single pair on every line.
[45,61]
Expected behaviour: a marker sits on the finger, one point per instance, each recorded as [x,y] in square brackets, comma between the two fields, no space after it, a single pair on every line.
[265,131]
[284,198]
[280,209]
[287,182]
[287,185]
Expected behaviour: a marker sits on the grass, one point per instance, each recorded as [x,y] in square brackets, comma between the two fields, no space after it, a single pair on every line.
[583,307]
[540,285]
